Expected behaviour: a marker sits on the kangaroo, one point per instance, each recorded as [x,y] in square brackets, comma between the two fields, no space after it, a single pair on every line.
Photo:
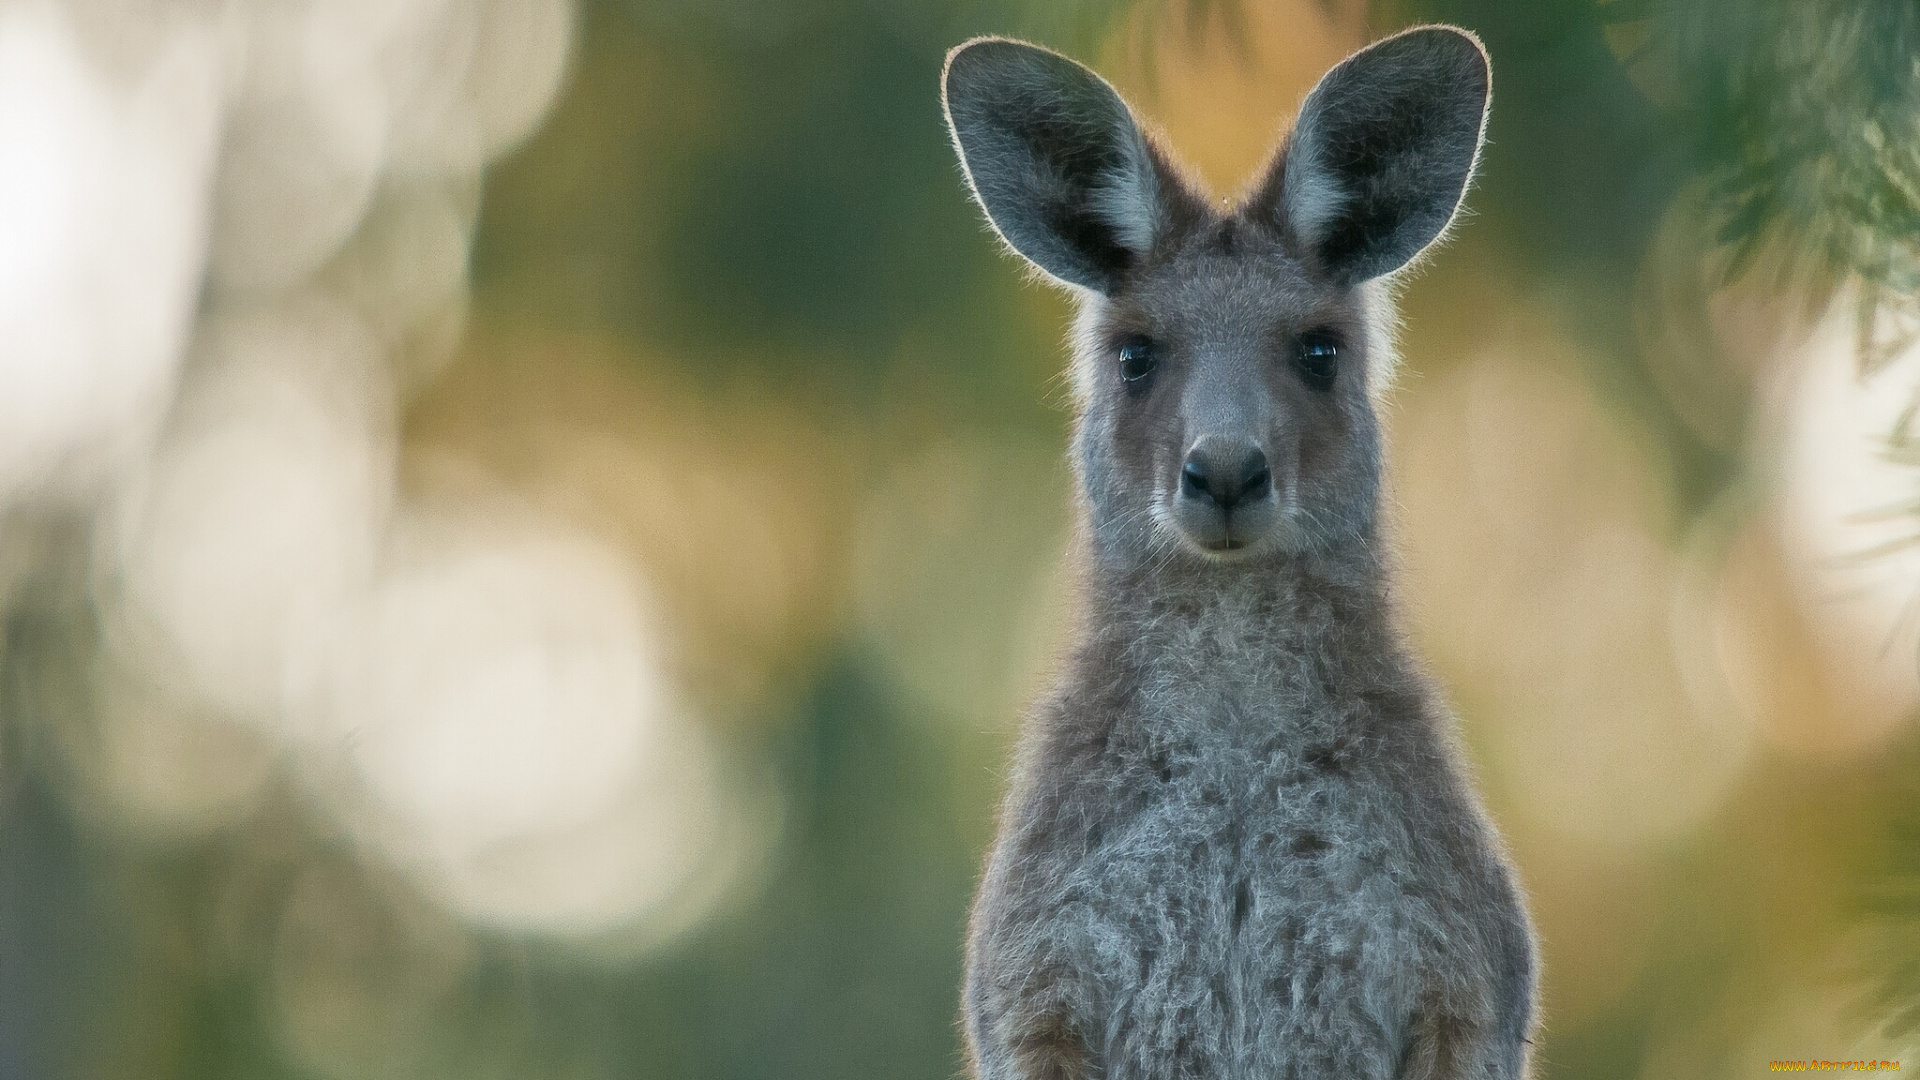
[1239,842]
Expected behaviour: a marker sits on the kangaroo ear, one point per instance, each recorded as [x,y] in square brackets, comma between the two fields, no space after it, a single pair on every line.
[1055,159]
[1380,157]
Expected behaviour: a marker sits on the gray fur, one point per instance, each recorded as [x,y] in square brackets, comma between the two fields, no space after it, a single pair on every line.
[1239,843]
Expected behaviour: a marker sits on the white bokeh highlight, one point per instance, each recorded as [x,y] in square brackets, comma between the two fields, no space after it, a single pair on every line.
[232,244]
[103,203]
[1846,512]
[259,519]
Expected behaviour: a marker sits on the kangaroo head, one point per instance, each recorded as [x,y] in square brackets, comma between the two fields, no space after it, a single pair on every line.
[1224,355]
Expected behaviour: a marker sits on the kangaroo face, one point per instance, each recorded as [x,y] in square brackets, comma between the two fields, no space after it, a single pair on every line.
[1222,357]
[1226,401]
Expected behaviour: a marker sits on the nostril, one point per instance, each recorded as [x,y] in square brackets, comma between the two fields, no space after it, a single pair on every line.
[1193,481]
[1256,485]
[1257,481]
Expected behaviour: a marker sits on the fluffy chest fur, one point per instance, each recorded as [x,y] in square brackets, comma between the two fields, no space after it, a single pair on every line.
[1234,851]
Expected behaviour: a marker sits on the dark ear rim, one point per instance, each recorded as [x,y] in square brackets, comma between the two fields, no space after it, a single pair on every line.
[1267,195]
[1166,188]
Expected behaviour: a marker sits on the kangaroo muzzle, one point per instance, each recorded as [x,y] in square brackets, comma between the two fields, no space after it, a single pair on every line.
[1226,494]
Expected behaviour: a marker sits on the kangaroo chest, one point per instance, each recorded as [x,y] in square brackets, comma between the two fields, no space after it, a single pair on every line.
[1250,891]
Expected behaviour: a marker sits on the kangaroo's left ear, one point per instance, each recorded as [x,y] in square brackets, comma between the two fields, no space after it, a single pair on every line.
[1381,154]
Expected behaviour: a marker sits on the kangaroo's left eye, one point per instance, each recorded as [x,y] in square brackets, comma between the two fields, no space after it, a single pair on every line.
[1316,357]
[1137,358]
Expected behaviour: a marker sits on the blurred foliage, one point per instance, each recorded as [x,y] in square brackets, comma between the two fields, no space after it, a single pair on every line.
[1801,116]
[768,187]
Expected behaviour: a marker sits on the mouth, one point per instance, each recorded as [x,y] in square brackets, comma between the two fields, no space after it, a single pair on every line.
[1215,538]
[1224,535]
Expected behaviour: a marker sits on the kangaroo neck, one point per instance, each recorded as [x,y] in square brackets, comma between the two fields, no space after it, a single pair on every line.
[1198,622]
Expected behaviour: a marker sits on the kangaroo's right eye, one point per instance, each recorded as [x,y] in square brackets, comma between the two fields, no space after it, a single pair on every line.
[1137,358]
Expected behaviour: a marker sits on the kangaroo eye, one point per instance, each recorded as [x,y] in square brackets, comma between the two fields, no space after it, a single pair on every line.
[1137,358]
[1316,357]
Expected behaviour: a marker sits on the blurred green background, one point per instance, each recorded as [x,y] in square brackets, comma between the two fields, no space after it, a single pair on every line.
[511,564]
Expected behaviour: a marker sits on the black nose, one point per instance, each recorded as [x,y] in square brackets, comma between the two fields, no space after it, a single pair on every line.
[1227,473]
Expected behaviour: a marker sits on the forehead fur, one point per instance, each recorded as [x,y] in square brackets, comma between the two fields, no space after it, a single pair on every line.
[1222,278]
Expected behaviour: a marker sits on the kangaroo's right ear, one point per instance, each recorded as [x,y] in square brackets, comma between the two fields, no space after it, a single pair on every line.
[1055,159]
